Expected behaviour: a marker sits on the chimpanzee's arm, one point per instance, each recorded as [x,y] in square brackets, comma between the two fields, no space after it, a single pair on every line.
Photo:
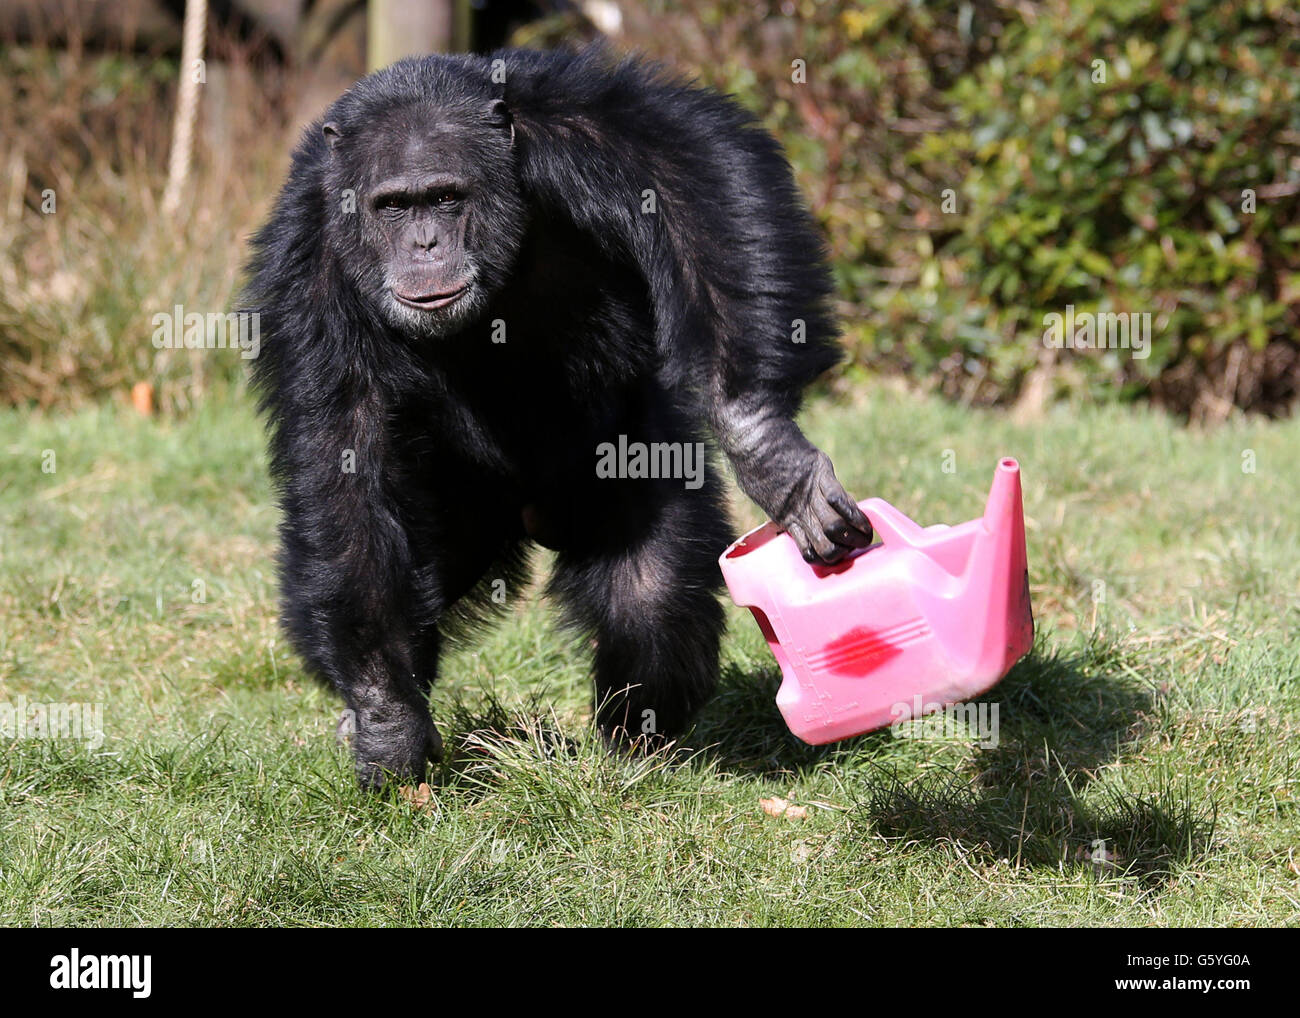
[685,184]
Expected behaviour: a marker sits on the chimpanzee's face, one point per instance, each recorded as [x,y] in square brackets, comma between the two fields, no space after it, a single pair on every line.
[438,214]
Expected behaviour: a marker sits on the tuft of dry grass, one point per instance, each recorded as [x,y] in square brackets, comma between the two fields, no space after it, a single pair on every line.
[87,257]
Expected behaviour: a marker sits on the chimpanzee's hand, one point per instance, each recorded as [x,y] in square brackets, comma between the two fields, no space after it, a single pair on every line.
[821,516]
[391,739]
[792,480]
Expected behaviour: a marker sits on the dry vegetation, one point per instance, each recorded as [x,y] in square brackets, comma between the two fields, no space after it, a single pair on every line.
[95,129]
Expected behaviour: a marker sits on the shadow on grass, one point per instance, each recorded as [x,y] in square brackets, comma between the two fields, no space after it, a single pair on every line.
[1032,799]
[1061,719]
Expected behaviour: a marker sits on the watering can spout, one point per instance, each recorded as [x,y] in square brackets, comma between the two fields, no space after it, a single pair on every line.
[1000,562]
[1004,507]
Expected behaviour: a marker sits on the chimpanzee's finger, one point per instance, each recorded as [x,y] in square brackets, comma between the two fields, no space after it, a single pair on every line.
[814,546]
[847,536]
[801,542]
[842,502]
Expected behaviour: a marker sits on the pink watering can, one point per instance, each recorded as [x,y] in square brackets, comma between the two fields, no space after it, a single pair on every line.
[928,617]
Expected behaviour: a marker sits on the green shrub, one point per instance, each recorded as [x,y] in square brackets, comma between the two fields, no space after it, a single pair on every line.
[1124,194]
[1116,150]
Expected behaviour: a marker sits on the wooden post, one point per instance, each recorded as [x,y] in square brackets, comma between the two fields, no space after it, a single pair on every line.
[403,28]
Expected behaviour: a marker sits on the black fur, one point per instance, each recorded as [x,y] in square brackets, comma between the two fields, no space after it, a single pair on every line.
[659,327]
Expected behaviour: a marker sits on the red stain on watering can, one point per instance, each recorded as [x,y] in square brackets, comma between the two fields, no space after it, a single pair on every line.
[932,615]
[858,651]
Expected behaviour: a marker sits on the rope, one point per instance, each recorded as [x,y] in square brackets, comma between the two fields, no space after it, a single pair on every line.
[187,104]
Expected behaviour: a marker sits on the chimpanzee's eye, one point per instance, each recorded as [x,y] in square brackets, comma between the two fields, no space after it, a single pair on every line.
[445,198]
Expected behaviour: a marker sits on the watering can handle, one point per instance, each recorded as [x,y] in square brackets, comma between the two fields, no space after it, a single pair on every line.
[892,526]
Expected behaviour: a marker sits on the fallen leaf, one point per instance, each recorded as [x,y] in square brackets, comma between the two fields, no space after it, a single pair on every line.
[419,798]
[778,807]
[774,807]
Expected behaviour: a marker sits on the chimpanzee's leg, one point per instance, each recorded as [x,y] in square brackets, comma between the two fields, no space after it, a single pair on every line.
[648,590]
[369,567]
[347,609]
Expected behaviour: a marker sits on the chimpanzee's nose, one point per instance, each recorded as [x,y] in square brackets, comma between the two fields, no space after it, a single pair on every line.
[424,237]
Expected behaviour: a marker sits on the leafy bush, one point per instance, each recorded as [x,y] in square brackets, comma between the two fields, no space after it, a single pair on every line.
[1114,186]
[1140,157]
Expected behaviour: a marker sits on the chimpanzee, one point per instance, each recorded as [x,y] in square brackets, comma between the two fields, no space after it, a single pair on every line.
[506,299]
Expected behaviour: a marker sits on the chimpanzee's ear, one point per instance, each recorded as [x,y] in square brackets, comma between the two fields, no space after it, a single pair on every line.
[332,133]
[499,116]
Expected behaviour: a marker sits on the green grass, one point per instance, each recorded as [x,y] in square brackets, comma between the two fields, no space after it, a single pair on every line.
[1161,720]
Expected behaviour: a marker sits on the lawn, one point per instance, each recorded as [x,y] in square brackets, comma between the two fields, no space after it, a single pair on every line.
[1145,771]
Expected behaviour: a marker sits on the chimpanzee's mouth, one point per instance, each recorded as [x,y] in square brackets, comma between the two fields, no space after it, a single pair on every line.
[429,301]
